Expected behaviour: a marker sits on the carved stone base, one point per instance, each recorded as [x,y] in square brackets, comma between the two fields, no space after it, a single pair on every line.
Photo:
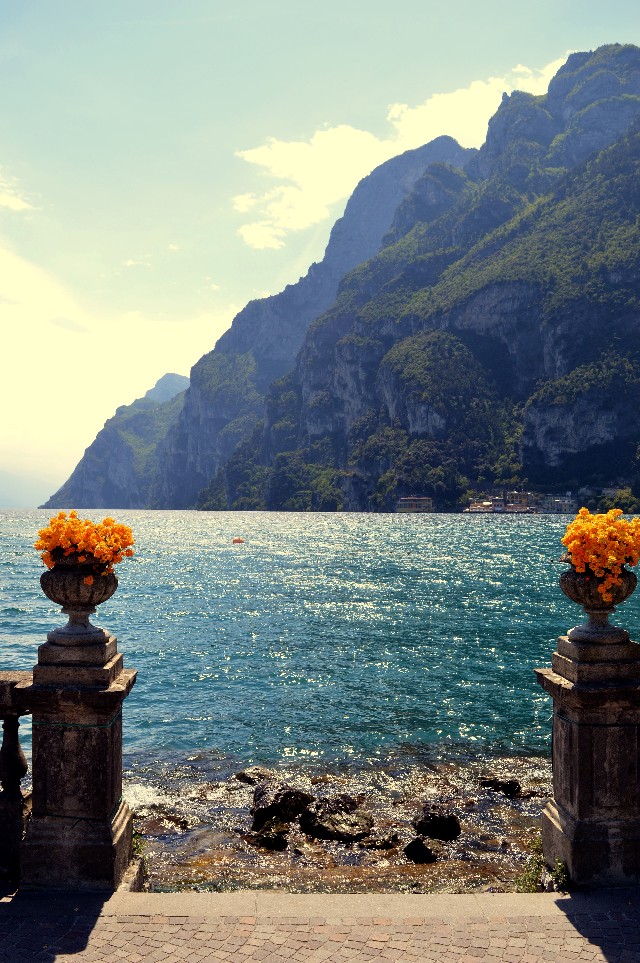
[74,854]
[80,674]
[595,852]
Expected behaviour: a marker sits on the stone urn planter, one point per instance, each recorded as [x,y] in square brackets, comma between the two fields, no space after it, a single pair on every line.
[78,587]
[582,588]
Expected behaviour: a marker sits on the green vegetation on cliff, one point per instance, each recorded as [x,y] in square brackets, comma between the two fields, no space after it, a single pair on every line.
[119,467]
[494,338]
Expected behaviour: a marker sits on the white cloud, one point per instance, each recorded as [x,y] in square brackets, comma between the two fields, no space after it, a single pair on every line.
[11,198]
[314,175]
[262,234]
[138,262]
[244,202]
[65,369]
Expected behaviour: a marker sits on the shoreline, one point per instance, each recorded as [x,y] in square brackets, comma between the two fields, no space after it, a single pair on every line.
[199,835]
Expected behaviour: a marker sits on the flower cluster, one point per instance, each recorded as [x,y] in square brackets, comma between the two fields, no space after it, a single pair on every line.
[102,544]
[602,544]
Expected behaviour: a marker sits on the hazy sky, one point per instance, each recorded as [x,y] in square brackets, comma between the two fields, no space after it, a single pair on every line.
[162,162]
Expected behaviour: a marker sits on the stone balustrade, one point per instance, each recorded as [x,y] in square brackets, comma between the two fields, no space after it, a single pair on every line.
[15,805]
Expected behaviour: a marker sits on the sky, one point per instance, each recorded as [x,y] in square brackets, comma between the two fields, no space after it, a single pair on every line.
[163,162]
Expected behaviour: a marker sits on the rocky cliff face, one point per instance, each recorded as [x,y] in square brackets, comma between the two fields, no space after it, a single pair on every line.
[529,259]
[225,400]
[590,102]
[117,469]
[428,352]
[586,421]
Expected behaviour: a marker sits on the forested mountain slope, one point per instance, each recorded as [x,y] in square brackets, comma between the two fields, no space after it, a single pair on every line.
[494,338]
[119,467]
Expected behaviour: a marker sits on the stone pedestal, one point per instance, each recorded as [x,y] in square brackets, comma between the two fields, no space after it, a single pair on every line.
[80,832]
[592,824]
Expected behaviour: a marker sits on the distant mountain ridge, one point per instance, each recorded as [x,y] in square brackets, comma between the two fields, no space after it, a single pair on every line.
[225,399]
[481,328]
[118,467]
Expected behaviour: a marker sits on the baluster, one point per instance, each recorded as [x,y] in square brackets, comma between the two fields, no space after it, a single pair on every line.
[13,765]
[14,807]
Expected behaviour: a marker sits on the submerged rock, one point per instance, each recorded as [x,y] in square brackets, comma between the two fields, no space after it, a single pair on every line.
[337,817]
[508,787]
[418,851]
[254,774]
[437,824]
[272,835]
[277,800]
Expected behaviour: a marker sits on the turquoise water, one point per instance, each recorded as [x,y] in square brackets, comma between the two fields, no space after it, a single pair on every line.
[323,637]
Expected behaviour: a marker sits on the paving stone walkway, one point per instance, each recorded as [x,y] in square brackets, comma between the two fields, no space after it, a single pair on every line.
[277,927]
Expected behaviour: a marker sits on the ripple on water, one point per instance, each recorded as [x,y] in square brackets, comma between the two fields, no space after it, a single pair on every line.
[326,635]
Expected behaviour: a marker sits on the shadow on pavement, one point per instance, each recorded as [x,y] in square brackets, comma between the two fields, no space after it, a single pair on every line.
[39,927]
[608,920]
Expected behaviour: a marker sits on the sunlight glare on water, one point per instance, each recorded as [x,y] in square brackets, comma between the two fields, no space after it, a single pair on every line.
[335,636]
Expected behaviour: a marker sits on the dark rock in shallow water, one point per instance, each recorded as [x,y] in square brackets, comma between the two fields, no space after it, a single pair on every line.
[336,817]
[437,824]
[254,774]
[277,800]
[418,851]
[508,787]
[272,835]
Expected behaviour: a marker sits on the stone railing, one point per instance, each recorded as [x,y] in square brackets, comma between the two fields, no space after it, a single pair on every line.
[15,806]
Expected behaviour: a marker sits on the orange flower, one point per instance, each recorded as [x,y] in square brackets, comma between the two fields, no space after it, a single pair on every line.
[88,580]
[105,543]
[603,544]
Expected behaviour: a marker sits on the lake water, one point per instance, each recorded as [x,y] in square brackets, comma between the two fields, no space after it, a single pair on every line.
[337,639]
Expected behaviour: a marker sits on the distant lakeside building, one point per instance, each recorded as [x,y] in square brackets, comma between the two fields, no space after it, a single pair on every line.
[524,503]
[415,503]
[515,502]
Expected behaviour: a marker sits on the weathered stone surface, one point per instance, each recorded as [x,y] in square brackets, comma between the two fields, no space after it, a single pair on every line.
[592,824]
[80,831]
[95,654]
[14,818]
[279,801]
[436,823]
[81,675]
[68,853]
[336,817]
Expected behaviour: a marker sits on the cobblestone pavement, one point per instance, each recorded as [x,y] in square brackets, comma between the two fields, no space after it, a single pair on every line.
[273,928]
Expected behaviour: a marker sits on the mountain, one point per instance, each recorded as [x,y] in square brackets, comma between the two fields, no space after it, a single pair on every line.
[166,388]
[225,401]
[117,469]
[475,321]
[494,337]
